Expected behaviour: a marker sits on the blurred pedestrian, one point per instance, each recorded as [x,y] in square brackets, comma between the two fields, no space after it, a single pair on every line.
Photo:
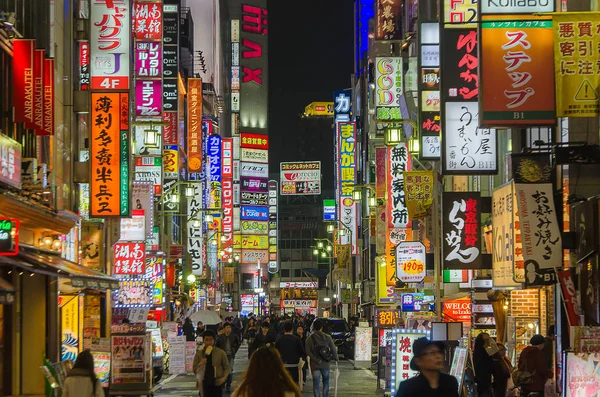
[230,343]
[188,330]
[502,370]
[263,339]
[302,335]
[291,349]
[81,380]
[213,362]
[484,365]
[428,359]
[200,329]
[532,360]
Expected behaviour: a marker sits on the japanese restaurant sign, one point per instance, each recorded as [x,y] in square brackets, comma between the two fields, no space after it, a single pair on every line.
[84,65]
[194,125]
[388,81]
[460,65]
[147,19]
[402,344]
[429,90]
[410,261]
[110,38]
[109,182]
[577,75]
[23,80]
[516,70]
[399,160]
[461,225]
[540,234]
[195,241]
[418,193]
[503,215]
[388,20]
[468,149]
[129,258]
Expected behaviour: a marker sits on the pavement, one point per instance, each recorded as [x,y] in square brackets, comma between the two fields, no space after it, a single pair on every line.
[352,382]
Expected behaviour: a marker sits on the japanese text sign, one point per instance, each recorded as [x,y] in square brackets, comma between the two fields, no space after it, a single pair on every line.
[194,125]
[109,182]
[23,80]
[10,161]
[343,106]
[388,81]
[227,224]
[461,225]
[347,156]
[503,218]
[386,318]
[402,344]
[254,141]
[460,13]
[129,258]
[388,20]
[577,74]
[84,65]
[410,262]
[148,98]
[300,178]
[570,297]
[147,18]
[418,193]
[468,149]
[380,171]
[214,158]
[110,44]
[227,158]
[460,64]
[255,242]
[195,244]
[540,234]
[517,73]
[148,59]
[399,160]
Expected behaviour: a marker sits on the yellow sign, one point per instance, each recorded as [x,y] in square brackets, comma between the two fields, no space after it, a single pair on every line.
[418,193]
[229,275]
[237,242]
[319,109]
[343,254]
[413,267]
[384,294]
[255,242]
[577,73]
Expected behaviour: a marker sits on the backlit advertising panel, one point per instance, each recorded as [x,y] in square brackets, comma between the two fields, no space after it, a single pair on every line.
[255,155]
[148,59]
[256,170]
[254,141]
[388,19]
[461,224]
[388,81]
[300,178]
[22,79]
[346,151]
[147,21]
[194,125]
[148,98]
[110,37]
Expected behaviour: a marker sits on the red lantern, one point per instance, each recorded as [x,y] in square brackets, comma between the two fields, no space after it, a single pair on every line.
[170,274]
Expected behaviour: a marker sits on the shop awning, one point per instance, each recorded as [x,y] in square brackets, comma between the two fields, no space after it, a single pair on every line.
[35,216]
[7,292]
[50,263]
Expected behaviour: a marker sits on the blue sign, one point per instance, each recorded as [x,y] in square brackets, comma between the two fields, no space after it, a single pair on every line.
[254,213]
[342,105]
[214,158]
[329,213]
[411,302]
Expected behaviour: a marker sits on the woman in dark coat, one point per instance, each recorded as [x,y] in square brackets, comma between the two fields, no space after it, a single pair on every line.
[502,371]
[484,365]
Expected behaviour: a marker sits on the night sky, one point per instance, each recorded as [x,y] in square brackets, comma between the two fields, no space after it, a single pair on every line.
[310,56]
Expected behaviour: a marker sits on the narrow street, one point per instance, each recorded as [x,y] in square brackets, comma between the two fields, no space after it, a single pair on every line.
[359,382]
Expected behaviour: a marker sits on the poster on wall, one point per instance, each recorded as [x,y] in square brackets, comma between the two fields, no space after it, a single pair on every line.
[362,344]
[128,359]
[136,293]
[69,326]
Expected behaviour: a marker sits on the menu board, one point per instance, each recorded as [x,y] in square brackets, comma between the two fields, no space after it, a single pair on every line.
[128,355]
[177,355]
[190,352]
[362,344]
[458,365]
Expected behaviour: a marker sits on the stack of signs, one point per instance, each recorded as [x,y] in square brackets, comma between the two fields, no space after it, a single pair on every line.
[254,199]
[273,259]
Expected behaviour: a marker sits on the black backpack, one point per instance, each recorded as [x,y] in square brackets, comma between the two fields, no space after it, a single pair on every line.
[325,352]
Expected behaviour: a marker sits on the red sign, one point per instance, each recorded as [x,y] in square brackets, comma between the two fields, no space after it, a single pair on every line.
[227,223]
[38,93]
[129,258]
[48,97]
[380,177]
[7,227]
[570,297]
[457,311]
[170,128]
[254,141]
[23,76]
[147,21]
[84,65]
[176,252]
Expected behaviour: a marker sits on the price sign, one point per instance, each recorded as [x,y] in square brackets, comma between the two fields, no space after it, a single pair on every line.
[410,262]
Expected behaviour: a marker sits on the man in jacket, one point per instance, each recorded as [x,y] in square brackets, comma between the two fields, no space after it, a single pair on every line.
[532,360]
[230,343]
[263,339]
[215,364]
[316,345]
[291,349]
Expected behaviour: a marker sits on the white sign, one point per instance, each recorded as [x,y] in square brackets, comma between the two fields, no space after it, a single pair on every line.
[235,101]
[516,6]
[176,355]
[402,353]
[300,178]
[138,314]
[195,234]
[255,155]
[254,169]
[388,81]
[410,261]
[149,169]
[299,284]
[348,216]
[540,235]
[134,228]
[110,24]
[468,149]
[363,338]
[298,303]
[502,235]
[431,146]
[430,55]
[482,308]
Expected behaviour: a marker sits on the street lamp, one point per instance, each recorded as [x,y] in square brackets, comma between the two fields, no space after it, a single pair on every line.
[320,244]
[315,252]
[329,248]
[174,198]
[151,137]
[330,228]
[209,218]
[393,136]
[189,192]
[191,279]
[372,202]
[413,145]
[357,194]
[323,254]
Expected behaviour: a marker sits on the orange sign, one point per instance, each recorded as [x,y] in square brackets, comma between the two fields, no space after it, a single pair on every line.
[517,73]
[109,182]
[194,101]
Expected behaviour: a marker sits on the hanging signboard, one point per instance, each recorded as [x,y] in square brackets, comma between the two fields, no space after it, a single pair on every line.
[398,161]
[129,258]
[410,261]
[300,178]
[388,81]
[194,125]
[503,238]
[461,225]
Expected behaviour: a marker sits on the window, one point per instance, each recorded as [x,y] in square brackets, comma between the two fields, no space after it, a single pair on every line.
[297,272]
[285,272]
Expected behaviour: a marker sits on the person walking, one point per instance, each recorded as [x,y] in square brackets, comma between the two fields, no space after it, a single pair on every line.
[230,343]
[291,349]
[321,350]
[200,329]
[484,365]
[266,377]
[263,339]
[532,360]
[81,380]
[302,335]
[250,331]
[428,359]
[188,330]
[502,370]
[213,361]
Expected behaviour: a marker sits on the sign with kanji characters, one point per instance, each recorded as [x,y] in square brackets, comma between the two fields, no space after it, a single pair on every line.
[254,227]
[254,141]
[148,98]
[129,258]
[431,146]
[134,227]
[194,125]
[195,242]
[577,73]
[148,59]
[388,81]
[460,13]
[149,169]
[410,261]
[503,255]
[128,359]
[388,20]
[402,345]
[110,37]
[461,225]
[398,161]
[147,21]
[300,178]
[418,193]
[468,149]
[347,154]
[540,235]
[386,318]
[255,242]
[460,65]
[516,72]
[229,275]
[109,181]
[254,155]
